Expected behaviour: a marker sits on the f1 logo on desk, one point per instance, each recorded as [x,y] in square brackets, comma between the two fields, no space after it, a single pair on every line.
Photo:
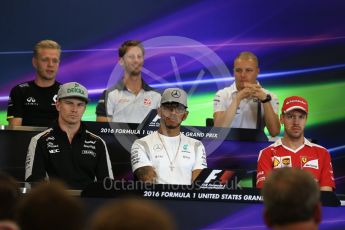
[218,179]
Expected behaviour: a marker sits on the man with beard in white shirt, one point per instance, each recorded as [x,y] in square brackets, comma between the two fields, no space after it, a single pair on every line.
[167,156]
[131,98]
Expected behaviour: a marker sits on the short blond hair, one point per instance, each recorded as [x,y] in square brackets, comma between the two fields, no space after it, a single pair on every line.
[246,55]
[46,44]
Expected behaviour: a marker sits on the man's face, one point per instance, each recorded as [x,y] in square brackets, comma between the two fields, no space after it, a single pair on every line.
[46,63]
[133,61]
[172,114]
[294,123]
[245,71]
[70,110]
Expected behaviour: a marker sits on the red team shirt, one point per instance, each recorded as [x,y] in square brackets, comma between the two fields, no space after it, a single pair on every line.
[311,157]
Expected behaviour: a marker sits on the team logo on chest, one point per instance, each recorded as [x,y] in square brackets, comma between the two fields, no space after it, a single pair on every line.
[309,163]
[31,101]
[89,148]
[88,152]
[185,148]
[158,151]
[123,100]
[51,146]
[147,101]
[304,160]
[157,147]
[282,162]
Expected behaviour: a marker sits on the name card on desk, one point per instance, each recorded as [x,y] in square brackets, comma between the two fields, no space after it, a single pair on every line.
[197,132]
[111,189]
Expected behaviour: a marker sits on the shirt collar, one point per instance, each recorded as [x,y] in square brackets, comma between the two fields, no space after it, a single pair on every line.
[79,134]
[120,85]
[279,142]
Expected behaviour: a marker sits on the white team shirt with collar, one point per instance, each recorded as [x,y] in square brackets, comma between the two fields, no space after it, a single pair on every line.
[127,107]
[246,113]
[149,151]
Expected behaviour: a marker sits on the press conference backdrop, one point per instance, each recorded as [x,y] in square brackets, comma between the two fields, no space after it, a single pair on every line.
[190,44]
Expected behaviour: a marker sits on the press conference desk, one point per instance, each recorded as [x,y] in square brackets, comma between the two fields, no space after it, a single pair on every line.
[210,209]
[222,152]
[236,149]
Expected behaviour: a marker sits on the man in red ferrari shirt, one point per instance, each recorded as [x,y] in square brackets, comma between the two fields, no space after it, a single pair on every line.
[294,150]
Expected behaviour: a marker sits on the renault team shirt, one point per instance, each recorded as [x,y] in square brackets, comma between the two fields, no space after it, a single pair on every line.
[311,157]
[79,163]
[149,151]
[34,104]
[121,105]
[246,113]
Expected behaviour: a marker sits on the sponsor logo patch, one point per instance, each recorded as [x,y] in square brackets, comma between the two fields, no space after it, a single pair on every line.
[157,147]
[123,100]
[286,161]
[50,138]
[52,151]
[185,148]
[276,162]
[312,164]
[31,101]
[147,101]
[89,146]
[51,145]
[282,162]
[88,152]
[90,142]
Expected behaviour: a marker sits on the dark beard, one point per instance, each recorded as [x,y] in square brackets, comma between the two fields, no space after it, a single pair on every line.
[135,73]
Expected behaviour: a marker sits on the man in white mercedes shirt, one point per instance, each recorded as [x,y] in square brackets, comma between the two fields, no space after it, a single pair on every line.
[167,156]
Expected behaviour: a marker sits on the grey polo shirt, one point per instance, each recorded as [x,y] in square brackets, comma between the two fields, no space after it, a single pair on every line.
[121,105]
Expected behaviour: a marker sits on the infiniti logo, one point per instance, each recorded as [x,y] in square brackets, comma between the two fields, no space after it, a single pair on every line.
[31,99]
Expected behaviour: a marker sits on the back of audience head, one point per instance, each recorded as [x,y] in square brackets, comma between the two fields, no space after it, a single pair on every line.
[291,196]
[49,206]
[9,196]
[131,214]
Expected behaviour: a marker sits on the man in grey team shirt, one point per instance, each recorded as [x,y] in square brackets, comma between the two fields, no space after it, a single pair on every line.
[131,99]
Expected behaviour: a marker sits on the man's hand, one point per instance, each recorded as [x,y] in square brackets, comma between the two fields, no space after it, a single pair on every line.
[254,91]
[146,174]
